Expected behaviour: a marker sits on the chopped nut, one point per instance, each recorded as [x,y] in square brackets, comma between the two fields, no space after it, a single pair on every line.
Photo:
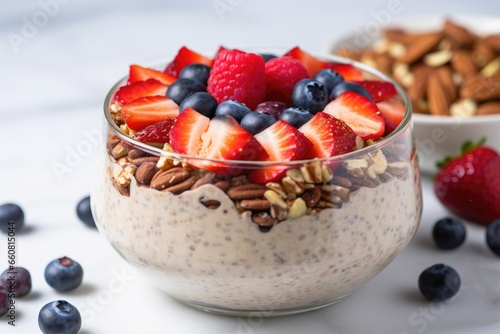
[355,167]
[295,175]
[491,68]
[126,130]
[379,164]
[464,108]
[396,50]
[115,108]
[312,172]
[438,58]
[119,151]
[298,209]
[360,143]
[278,212]
[166,162]
[326,173]
[275,199]
[278,188]
[292,186]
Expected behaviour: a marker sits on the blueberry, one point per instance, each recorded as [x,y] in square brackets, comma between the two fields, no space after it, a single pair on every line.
[232,108]
[64,274]
[448,233]
[196,71]
[296,116]
[11,218]
[310,94]
[17,280]
[202,102]
[84,212]
[268,56]
[272,108]
[59,317]
[181,88]
[255,122]
[493,236]
[4,301]
[348,86]
[439,282]
[329,78]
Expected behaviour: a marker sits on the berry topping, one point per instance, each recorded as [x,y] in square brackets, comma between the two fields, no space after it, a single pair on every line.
[202,102]
[439,282]
[359,113]
[182,88]
[379,90]
[184,58]
[239,76]
[329,78]
[84,212]
[448,233]
[185,135]
[156,133]
[469,185]
[64,274]
[311,63]
[59,317]
[11,218]
[281,76]
[196,71]
[282,142]
[148,110]
[393,113]
[271,108]
[255,122]
[493,236]
[296,116]
[329,136]
[232,108]
[347,71]
[348,86]
[311,95]
[139,73]
[16,279]
[133,91]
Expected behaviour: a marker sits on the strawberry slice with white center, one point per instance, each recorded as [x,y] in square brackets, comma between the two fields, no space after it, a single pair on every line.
[379,90]
[185,135]
[148,110]
[140,73]
[186,57]
[329,136]
[282,142]
[359,113]
[131,92]
[393,113]
[348,71]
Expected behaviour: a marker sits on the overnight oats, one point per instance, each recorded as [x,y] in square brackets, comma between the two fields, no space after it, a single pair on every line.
[249,182]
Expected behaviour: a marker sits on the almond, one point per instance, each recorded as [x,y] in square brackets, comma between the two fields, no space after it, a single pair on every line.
[422,45]
[493,41]
[463,63]
[445,75]
[145,173]
[481,88]
[482,53]
[488,108]
[437,96]
[167,178]
[420,74]
[458,34]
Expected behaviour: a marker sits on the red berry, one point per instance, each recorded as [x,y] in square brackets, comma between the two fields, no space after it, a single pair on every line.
[239,76]
[133,91]
[139,73]
[148,110]
[281,76]
[393,113]
[379,90]
[156,133]
[183,58]
[185,135]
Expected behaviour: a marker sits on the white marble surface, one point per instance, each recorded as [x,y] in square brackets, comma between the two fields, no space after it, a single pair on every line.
[54,79]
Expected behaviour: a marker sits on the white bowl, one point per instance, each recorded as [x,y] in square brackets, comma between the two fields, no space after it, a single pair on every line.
[439,136]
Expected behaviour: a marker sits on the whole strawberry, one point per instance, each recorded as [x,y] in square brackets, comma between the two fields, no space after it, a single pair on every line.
[469,185]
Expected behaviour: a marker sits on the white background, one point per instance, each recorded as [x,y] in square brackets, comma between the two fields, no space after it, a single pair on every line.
[53,81]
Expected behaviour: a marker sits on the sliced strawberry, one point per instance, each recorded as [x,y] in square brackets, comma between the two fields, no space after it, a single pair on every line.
[148,110]
[282,142]
[329,136]
[348,71]
[139,73]
[133,91]
[359,113]
[156,133]
[183,58]
[185,135]
[311,63]
[393,113]
[379,90]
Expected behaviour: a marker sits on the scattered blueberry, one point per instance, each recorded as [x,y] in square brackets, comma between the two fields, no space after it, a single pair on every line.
[348,86]
[196,71]
[268,56]
[84,212]
[272,108]
[255,122]
[296,116]
[20,277]
[59,317]
[448,233]
[10,212]
[181,88]
[202,102]
[439,282]
[493,236]
[4,301]
[232,108]
[64,274]
[310,94]
[329,78]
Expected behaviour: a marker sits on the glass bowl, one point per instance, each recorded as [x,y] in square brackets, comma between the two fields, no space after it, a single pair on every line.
[224,245]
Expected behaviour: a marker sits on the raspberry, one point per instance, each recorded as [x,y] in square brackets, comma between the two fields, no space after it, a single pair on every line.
[281,76]
[239,76]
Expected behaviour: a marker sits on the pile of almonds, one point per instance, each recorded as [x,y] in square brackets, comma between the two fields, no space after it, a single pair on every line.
[448,72]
